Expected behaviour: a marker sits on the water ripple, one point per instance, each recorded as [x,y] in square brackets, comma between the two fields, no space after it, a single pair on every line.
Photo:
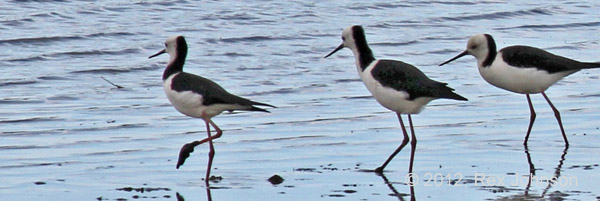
[395,44]
[16,82]
[47,39]
[16,22]
[553,26]
[73,54]
[39,40]
[31,119]
[498,15]
[258,39]
[116,70]
[16,100]
[73,130]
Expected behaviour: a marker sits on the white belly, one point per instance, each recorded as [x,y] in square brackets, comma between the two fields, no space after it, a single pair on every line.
[189,103]
[519,80]
[389,98]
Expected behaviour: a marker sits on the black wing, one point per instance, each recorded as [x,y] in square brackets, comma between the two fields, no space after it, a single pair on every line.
[405,77]
[531,57]
[212,93]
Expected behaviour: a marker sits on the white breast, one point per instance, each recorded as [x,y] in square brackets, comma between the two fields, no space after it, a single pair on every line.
[186,102]
[389,98]
[519,80]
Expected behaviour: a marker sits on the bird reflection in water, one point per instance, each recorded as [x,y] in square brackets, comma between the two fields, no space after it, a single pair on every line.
[532,178]
[208,195]
[531,169]
[524,196]
[400,196]
[557,171]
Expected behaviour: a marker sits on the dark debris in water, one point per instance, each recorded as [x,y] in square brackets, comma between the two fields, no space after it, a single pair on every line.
[215,179]
[305,169]
[275,179]
[151,197]
[498,189]
[336,195]
[142,189]
[584,167]
[340,193]
[328,167]
[115,85]
[135,197]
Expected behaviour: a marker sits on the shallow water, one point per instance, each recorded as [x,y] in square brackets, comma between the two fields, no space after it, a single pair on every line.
[67,133]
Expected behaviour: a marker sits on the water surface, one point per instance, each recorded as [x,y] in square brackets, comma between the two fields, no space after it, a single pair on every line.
[67,133]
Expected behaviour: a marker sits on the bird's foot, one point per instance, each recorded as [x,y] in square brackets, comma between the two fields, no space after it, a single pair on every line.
[379,170]
[184,153]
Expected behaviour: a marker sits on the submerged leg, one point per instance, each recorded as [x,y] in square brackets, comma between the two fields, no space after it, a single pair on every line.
[557,115]
[188,148]
[208,194]
[531,119]
[531,169]
[404,142]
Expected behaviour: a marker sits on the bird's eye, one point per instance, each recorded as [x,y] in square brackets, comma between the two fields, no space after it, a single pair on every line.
[166,45]
[343,38]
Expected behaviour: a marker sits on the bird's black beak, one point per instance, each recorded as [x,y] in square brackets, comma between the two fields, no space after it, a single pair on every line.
[456,57]
[336,49]
[158,53]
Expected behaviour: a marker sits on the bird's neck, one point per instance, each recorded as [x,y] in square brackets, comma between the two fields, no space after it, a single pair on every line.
[175,64]
[363,54]
[491,54]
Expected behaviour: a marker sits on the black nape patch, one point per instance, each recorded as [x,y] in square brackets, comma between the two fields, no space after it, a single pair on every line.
[177,64]
[365,53]
[492,51]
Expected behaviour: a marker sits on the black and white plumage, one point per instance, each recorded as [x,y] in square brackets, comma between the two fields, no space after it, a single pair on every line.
[396,85]
[521,69]
[198,97]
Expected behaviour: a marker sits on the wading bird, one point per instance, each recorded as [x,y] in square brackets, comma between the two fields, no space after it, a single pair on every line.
[198,97]
[521,69]
[396,85]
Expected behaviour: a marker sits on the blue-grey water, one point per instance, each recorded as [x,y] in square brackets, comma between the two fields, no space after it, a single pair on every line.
[67,134]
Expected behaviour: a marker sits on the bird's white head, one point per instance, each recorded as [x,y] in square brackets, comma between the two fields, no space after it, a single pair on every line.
[478,46]
[177,48]
[349,37]
[174,46]
[353,37]
[171,44]
[481,46]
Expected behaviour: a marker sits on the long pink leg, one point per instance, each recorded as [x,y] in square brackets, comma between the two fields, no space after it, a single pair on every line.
[531,119]
[211,153]
[557,115]
[188,148]
[404,142]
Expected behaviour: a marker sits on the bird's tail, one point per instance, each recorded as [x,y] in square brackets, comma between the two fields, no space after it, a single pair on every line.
[447,92]
[455,96]
[254,108]
[591,64]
